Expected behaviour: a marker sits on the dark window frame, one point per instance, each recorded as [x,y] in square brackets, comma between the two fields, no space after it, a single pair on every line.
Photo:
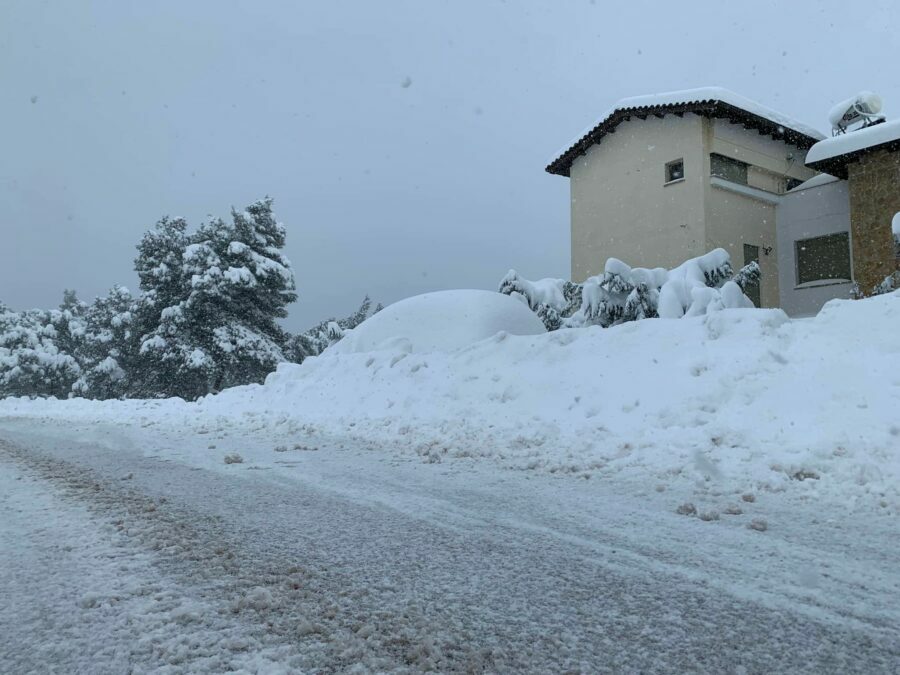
[674,170]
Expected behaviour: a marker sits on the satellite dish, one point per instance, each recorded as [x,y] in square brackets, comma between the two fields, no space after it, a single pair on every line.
[864,107]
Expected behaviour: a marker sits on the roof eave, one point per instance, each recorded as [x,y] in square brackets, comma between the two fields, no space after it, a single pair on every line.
[562,165]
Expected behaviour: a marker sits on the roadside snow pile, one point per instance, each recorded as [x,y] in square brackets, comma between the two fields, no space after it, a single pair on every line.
[440,321]
[735,399]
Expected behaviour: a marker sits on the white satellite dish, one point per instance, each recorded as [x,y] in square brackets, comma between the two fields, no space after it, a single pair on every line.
[864,107]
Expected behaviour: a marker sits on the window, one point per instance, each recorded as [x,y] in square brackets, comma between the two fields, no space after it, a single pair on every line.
[822,258]
[730,169]
[675,170]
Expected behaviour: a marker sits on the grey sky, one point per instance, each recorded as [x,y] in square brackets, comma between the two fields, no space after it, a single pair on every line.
[116,113]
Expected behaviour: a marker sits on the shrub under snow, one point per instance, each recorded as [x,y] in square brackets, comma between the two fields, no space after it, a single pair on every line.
[623,293]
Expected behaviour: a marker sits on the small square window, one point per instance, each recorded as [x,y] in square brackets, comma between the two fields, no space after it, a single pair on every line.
[675,170]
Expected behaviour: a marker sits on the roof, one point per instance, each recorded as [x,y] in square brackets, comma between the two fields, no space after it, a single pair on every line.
[834,154]
[814,182]
[707,101]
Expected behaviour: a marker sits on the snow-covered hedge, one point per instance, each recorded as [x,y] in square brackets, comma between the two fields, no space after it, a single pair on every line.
[623,293]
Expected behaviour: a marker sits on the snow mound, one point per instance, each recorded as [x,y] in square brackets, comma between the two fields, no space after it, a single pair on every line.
[441,321]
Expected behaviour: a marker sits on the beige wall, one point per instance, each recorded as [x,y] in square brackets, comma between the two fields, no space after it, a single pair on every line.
[747,145]
[734,218]
[621,206]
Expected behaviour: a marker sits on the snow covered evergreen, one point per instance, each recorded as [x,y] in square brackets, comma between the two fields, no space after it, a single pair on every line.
[216,296]
[206,318]
[31,362]
[109,348]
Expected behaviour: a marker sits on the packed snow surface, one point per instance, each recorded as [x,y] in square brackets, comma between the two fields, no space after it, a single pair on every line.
[440,321]
[698,95]
[852,141]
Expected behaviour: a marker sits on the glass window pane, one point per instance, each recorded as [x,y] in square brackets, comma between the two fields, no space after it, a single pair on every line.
[825,257]
[728,168]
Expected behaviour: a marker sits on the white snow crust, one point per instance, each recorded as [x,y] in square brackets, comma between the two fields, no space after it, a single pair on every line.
[440,321]
[854,140]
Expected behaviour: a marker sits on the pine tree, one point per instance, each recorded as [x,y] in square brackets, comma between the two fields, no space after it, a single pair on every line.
[170,360]
[110,349]
[31,363]
[241,284]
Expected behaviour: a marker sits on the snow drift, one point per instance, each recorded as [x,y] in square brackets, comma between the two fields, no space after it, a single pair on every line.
[741,397]
[440,321]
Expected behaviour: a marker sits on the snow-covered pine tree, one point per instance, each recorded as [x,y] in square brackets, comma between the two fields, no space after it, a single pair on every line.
[31,364]
[171,359]
[68,321]
[110,347]
[250,288]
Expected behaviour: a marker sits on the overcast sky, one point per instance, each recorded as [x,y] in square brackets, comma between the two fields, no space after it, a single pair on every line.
[404,142]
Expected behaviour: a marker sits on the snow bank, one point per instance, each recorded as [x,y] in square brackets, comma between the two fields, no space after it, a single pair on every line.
[745,398]
[440,321]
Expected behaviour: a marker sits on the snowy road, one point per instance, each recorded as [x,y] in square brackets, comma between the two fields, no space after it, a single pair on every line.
[120,550]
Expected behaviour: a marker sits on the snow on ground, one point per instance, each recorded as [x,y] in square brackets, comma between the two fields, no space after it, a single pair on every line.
[441,321]
[78,596]
[715,493]
[336,555]
[746,397]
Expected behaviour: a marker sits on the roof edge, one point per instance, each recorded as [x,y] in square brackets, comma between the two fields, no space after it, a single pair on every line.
[716,108]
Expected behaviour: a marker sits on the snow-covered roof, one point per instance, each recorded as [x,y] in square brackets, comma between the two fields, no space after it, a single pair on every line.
[814,182]
[833,154]
[710,101]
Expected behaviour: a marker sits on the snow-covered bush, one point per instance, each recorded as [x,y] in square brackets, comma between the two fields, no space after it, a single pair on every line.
[622,293]
[553,300]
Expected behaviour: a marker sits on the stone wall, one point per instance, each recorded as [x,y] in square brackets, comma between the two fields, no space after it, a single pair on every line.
[874,183]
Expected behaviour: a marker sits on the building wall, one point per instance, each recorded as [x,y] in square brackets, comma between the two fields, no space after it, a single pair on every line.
[802,214]
[746,145]
[734,219]
[621,206]
[739,216]
[874,199]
